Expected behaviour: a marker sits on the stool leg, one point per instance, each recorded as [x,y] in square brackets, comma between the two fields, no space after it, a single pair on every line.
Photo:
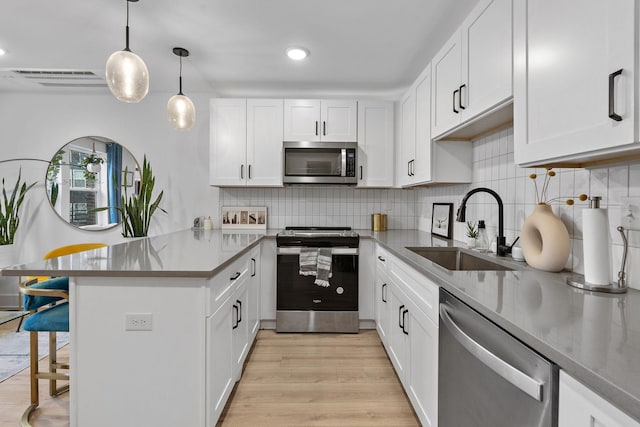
[52,362]
[33,356]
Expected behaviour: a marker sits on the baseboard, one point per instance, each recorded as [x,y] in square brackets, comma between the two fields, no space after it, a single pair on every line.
[364,324]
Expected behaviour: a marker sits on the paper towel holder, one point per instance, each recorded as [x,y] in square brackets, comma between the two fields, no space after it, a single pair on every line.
[617,287]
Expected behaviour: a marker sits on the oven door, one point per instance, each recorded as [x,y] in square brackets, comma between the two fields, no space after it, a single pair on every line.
[299,293]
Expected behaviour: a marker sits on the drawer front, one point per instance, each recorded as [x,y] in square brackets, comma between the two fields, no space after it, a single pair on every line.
[224,283]
[419,288]
[382,258]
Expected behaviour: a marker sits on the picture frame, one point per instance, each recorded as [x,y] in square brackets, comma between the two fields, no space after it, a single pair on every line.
[244,217]
[127,178]
[441,220]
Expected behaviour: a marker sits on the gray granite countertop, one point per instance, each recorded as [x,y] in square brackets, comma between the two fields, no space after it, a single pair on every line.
[593,337]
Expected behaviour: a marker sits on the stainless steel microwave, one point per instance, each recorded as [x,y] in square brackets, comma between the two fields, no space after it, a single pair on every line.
[320,162]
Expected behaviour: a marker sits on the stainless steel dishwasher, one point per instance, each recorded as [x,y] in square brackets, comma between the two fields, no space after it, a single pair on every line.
[487,378]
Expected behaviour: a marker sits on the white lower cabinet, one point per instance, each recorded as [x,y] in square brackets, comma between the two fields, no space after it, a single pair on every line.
[231,329]
[406,320]
[581,407]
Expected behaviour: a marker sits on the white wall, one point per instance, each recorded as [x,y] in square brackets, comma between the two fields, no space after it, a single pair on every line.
[37,125]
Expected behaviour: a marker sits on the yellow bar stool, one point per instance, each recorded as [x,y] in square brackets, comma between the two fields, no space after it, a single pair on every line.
[47,302]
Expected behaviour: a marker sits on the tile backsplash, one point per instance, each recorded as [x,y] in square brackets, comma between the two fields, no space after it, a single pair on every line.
[494,168]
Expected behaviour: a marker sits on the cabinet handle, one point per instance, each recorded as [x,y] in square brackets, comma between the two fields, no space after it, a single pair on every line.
[400,317]
[381,259]
[249,171]
[383,295]
[612,97]
[235,276]
[454,101]
[404,322]
[316,128]
[412,167]
[360,173]
[240,312]
[253,267]
[324,127]
[462,107]
[235,307]
[409,168]
[241,171]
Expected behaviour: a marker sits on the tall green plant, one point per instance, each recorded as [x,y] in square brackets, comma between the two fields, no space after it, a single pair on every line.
[136,210]
[9,210]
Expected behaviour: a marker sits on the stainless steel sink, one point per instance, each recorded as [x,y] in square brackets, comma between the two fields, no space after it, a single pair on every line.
[457,259]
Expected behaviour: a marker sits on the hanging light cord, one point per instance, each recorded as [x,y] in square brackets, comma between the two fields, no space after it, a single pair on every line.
[180,78]
[127,29]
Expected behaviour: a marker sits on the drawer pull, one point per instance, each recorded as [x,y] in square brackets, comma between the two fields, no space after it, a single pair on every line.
[235,276]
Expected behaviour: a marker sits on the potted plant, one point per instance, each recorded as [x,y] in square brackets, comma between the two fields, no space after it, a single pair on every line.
[92,164]
[10,210]
[137,210]
[472,234]
[52,176]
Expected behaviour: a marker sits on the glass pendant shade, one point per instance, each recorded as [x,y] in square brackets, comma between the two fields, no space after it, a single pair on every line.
[181,112]
[127,76]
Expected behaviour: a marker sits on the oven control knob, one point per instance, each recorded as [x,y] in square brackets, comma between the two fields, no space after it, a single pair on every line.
[340,290]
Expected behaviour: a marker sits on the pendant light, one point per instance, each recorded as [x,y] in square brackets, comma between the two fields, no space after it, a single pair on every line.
[180,110]
[126,73]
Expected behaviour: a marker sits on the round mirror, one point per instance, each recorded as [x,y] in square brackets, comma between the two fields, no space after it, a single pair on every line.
[88,173]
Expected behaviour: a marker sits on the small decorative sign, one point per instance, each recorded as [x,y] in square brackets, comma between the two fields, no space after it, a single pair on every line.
[238,217]
[441,220]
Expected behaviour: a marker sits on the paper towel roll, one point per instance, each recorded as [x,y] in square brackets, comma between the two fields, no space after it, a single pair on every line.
[595,239]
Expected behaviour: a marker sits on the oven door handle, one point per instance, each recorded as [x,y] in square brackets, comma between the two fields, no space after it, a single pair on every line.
[295,250]
[519,379]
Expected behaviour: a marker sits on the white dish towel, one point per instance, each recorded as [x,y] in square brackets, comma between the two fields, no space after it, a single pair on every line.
[324,267]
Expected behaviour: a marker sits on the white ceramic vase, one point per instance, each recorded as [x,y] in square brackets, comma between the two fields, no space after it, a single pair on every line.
[471,242]
[545,240]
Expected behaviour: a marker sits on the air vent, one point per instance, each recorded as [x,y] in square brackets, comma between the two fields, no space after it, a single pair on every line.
[60,78]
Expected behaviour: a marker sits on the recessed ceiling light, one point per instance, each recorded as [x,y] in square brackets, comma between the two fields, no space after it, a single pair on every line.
[297,53]
[2,52]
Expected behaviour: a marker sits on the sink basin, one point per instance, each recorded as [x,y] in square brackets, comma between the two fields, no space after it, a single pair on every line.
[457,259]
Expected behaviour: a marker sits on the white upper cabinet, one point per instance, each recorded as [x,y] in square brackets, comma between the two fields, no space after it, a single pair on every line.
[575,81]
[472,74]
[375,144]
[320,120]
[246,142]
[421,159]
[228,151]
[264,142]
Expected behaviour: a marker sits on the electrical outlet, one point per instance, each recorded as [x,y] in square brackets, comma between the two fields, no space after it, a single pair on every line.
[138,321]
[630,212]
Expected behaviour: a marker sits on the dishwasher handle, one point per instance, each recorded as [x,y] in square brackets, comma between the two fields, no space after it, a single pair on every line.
[529,385]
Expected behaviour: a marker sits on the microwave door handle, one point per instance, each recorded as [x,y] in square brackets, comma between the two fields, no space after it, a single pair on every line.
[343,172]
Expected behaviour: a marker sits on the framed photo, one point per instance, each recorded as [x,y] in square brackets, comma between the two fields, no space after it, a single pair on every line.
[247,217]
[441,217]
[127,179]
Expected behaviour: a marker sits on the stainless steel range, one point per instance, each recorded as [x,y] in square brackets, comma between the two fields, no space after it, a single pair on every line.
[303,305]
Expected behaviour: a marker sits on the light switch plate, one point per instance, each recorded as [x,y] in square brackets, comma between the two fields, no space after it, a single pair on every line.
[138,321]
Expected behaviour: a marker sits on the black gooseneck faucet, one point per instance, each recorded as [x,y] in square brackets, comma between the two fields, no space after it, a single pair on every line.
[501,245]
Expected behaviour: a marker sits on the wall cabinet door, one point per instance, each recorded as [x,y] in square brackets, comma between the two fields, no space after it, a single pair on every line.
[407,138]
[581,407]
[375,144]
[575,80]
[264,142]
[219,362]
[446,86]
[320,120]
[421,165]
[302,120]
[487,57]
[339,120]
[228,151]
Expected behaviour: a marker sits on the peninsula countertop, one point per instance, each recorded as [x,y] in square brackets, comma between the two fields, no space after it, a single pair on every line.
[593,337]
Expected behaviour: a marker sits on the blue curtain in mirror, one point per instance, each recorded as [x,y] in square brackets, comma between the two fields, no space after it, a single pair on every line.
[114,172]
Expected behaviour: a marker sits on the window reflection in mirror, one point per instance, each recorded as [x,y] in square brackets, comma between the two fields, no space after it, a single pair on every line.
[88,173]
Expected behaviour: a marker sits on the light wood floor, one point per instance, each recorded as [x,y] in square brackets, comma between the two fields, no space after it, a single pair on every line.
[289,380]
[318,380]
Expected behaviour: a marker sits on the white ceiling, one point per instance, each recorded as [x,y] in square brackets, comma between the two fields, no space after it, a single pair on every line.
[358,47]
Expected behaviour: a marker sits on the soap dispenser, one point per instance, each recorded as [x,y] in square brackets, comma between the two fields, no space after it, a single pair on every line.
[483,239]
